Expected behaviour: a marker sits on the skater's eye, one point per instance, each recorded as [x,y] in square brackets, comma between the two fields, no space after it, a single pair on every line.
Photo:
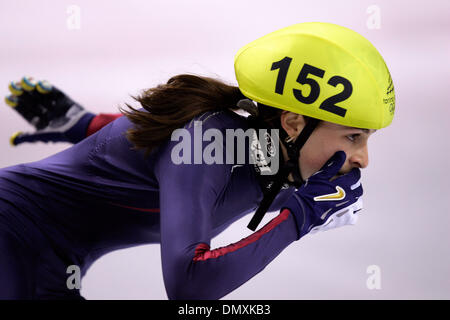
[353,137]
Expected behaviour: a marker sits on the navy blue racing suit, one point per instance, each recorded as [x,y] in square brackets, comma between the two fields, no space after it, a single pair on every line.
[100,195]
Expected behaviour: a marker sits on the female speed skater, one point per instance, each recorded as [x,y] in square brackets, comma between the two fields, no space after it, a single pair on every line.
[143,176]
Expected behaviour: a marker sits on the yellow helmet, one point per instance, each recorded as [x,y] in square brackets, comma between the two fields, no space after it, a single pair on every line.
[321,70]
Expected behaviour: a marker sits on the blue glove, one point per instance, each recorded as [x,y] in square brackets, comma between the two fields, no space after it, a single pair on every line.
[56,117]
[322,203]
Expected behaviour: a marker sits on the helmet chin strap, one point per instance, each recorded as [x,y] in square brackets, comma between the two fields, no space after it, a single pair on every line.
[293,149]
[281,177]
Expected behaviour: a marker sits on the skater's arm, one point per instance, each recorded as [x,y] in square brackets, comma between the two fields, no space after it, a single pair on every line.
[189,194]
[54,115]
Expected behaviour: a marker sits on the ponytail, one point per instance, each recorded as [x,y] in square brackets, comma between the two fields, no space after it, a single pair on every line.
[170,106]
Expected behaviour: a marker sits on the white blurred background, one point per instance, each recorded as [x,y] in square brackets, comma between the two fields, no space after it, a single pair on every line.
[100,52]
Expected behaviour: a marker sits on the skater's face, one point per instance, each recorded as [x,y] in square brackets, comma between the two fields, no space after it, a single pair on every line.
[325,141]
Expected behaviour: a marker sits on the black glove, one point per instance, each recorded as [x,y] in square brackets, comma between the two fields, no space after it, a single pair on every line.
[56,117]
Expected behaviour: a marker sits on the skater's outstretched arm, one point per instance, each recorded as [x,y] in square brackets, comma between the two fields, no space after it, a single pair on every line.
[54,115]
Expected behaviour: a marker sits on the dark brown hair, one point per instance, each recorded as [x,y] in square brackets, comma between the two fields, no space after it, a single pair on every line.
[170,106]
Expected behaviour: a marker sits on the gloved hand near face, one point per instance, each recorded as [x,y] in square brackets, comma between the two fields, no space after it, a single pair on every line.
[321,204]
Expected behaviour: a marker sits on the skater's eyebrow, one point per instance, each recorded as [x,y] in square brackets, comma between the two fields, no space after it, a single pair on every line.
[366,131]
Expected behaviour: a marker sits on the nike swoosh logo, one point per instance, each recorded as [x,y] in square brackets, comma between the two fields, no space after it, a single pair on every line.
[339,195]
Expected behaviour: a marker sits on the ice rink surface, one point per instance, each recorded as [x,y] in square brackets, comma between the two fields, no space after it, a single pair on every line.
[100,52]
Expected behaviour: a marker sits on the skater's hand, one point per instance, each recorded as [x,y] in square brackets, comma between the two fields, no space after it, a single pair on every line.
[324,203]
[55,116]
